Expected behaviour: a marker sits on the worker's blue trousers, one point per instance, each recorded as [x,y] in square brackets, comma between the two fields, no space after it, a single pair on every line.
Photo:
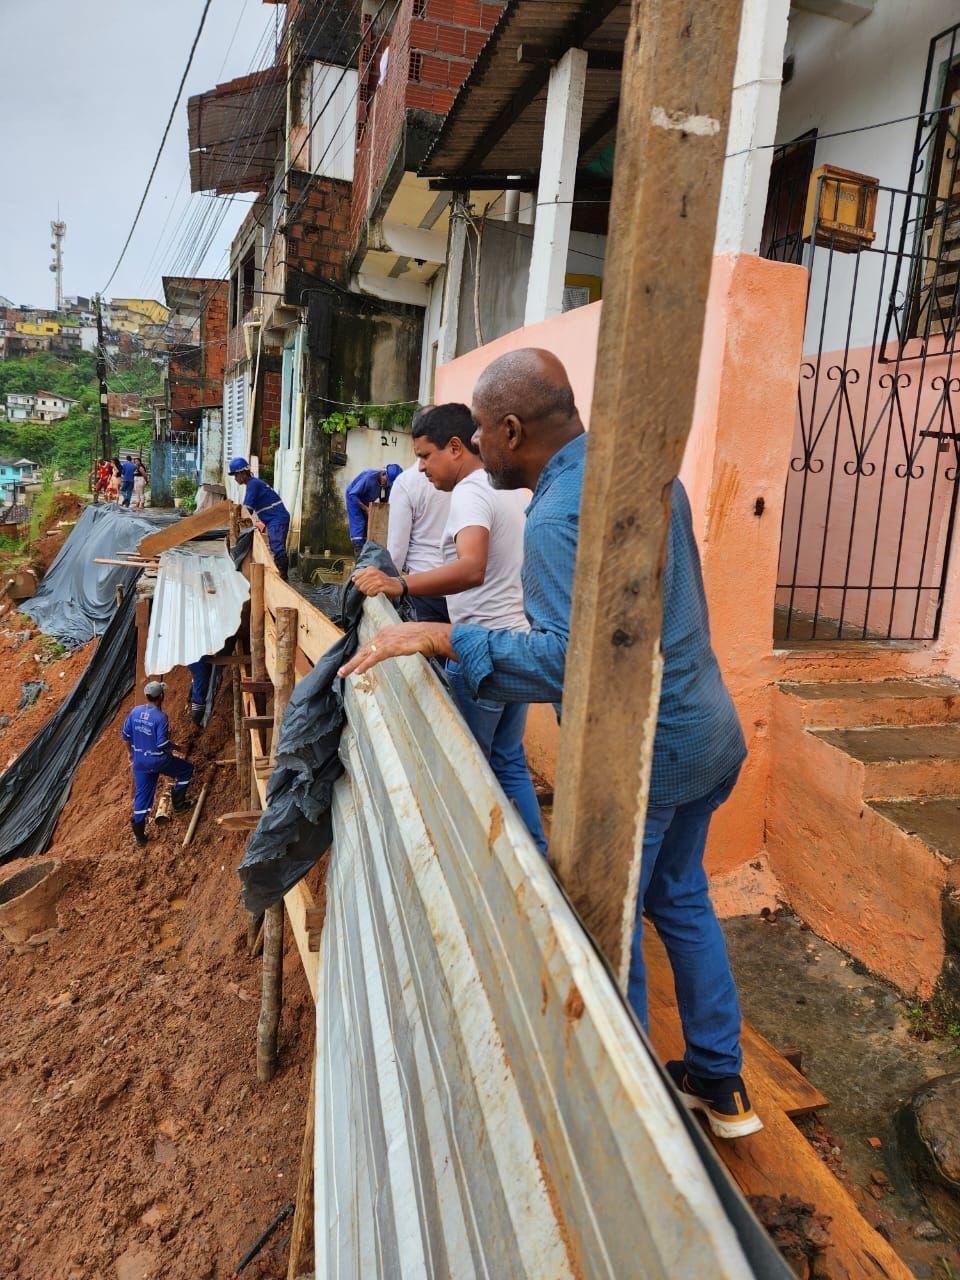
[200,673]
[145,783]
[277,531]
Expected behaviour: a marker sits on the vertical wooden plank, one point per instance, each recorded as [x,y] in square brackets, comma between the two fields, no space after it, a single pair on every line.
[258,662]
[674,106]
[234,533]
[301,1233]
[143,630]
[286,671]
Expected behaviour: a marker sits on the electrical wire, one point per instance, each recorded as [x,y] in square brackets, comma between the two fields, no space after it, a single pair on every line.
[166,134]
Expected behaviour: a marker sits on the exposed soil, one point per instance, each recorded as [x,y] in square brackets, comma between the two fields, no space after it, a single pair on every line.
[860,1046]
[135,1141]
[26,656]
[64,506]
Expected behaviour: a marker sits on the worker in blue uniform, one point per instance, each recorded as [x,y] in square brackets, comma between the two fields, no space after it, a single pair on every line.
[146,731]
[363,490]
[266,507]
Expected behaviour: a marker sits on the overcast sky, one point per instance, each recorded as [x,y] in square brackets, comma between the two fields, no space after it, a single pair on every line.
[85,90]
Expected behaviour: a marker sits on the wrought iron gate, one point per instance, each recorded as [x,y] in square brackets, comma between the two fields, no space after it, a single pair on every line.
[871,494]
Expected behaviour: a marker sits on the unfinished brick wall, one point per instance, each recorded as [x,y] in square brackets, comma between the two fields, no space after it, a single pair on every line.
[316,241]
[432,46]
[195,373]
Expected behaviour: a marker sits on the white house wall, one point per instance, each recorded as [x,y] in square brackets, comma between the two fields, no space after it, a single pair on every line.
[845,77]
[367,448]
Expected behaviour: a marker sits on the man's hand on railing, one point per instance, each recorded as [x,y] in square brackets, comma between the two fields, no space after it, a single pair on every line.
[432,639]
[373,582]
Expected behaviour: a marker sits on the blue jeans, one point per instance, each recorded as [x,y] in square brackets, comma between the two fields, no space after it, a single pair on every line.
[498,727]
[126,492]
[674,894]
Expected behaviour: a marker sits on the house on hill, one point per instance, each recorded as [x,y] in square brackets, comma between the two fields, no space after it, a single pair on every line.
[51,408]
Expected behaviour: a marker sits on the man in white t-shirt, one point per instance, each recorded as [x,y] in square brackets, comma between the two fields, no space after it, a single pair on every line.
[418,515]
[482,550]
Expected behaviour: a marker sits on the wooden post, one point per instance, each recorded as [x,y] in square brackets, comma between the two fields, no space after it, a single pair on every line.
[234,533]
[271,994]
[287,621]
[301,1233]
[674,105]
[143,630]
[271,1002]
[258,653]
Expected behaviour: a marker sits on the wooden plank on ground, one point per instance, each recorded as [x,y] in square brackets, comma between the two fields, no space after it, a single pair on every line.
[771,1079]
[780,1161]
[671,135]
[215,517]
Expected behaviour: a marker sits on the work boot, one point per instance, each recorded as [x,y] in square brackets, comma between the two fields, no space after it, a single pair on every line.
[724,1101]
[196,715]
[182,802]
[139,830]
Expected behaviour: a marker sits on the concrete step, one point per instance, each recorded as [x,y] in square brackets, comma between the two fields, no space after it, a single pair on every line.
[863,880]
[849,704]
[902,761]
[935,821]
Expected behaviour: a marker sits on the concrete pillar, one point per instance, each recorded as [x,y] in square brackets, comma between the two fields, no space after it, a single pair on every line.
[754,108]
[558,171]
[450,317]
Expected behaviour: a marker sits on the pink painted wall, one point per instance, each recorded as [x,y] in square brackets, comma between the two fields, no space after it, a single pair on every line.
[738,451]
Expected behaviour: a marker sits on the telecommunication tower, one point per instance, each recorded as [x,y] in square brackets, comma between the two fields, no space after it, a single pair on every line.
[58,230]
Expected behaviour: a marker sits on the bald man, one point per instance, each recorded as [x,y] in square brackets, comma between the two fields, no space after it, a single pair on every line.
[530,436]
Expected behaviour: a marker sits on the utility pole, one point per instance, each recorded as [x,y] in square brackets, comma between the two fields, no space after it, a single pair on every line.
[58,230]
[105,444]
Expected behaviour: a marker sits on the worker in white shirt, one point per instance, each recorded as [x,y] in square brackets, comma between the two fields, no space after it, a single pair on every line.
[482,552]
[418,515]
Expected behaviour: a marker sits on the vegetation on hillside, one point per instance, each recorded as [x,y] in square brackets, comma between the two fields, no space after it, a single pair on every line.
[68,445]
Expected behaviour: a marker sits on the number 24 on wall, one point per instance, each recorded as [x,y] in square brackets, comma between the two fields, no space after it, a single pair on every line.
[392,440]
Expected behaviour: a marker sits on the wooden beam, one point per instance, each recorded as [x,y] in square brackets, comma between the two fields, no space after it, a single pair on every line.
[258,666]
[286,671]
[256,686]
[239,820]
[142,618]
[576,32]
[215,517]
[301,1232]
[258,722]
[674,106]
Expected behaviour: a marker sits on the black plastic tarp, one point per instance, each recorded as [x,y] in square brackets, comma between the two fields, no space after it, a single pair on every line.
[296,826]
[36,786]
[77,598]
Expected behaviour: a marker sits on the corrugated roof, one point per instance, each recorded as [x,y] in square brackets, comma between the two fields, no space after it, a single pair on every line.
[196,606]
[485,1105]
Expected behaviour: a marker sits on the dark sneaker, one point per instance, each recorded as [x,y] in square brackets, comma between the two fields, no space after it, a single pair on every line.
[182,802]
[139,831]
[196,715]
[724,1102]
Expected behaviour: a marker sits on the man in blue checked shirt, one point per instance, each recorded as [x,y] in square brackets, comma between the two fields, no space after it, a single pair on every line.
[146,731]
[530,436]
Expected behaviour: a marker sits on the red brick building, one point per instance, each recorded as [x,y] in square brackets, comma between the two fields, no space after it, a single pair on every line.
[197,348]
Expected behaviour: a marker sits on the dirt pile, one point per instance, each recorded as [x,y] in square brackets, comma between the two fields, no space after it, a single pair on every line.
[45,549]
[135,1141]
[29,659]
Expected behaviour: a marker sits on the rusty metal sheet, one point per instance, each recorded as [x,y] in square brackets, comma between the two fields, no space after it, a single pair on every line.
[485,1105]
[197,605]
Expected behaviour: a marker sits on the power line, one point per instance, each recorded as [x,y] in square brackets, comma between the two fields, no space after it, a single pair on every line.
[163,140]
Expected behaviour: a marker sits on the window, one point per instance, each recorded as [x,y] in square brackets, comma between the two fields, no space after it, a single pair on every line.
[936,310]
[782,236]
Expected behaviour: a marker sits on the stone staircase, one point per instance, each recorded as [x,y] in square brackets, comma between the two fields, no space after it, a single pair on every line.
[863,827]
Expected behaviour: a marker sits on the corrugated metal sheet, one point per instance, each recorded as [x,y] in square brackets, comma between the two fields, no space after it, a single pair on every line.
[485,1106]
[187,620]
